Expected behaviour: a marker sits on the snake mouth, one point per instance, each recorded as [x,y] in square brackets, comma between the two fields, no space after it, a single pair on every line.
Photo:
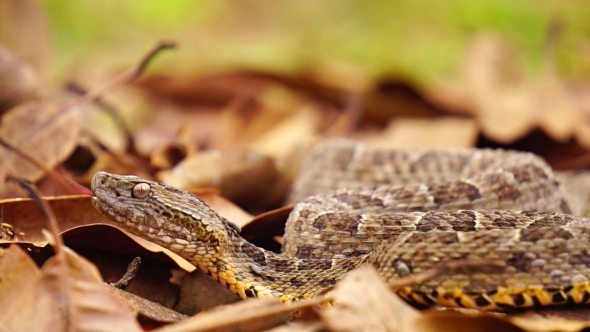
[105,209]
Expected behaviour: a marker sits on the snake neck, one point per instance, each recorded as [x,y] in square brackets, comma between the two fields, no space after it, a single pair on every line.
[251,271]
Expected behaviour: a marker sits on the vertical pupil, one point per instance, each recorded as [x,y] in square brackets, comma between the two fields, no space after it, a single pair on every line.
[141,190]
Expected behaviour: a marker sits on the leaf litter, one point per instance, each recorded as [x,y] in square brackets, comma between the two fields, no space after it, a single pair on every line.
[236,140]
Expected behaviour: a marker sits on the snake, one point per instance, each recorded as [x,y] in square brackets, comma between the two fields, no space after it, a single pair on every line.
[402,211]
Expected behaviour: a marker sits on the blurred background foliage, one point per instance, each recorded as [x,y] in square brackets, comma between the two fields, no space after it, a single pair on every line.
[418,39]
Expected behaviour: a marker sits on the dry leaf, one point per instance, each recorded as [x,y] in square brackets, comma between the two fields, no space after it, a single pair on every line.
[200,292]
[62,295]
[147,309]
[356,310]
[70,212]
[436,133]
[243,176]
[248,315]
[43,130]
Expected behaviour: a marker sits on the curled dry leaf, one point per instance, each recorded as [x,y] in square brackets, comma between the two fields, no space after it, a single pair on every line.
[71,287]
[70,212]
[243,176]
[147,309]
[200,292]
[416,133]
[23,295]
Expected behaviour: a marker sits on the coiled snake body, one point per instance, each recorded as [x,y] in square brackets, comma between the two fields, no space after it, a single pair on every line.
[450,205]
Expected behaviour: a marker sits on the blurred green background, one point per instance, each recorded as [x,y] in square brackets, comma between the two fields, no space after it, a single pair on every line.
[421,39]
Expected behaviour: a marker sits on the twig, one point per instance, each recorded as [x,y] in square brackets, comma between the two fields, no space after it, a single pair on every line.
[129,275]
[126,77]
[43,208]
[110,110]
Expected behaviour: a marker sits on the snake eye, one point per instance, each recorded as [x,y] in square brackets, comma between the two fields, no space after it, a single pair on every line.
[141,190]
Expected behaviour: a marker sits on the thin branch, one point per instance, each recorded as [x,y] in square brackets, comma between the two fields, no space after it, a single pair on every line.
[44,208]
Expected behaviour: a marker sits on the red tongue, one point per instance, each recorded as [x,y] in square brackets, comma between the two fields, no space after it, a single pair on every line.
[78,189]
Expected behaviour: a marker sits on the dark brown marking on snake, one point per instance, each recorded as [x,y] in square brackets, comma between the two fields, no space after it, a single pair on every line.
[528,174]
[338,220]
[428,299]
[258,257]
[305,252]
[456,221]
[536,301]
[396,220]
[267,277]
[442,237]
[519,299]
[582,258]
[558,297]
[314,264]
[585,297]
[570,300]
[505,221]
[403,193]
[250,292]
[547,220]
[347,264]
[453,191]
[278,263]
[535,233]
[296,282]
[520,262]
[328,282]
[482,301]
[504,187]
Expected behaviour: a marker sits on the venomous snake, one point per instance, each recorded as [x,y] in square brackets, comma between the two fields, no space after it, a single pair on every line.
[445,205]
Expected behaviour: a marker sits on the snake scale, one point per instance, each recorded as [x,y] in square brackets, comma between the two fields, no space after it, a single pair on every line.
[402,211]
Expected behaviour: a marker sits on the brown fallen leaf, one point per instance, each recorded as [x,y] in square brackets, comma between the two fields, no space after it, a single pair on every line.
[23,295]
[70,212]
[148,310]
[248,315]
[243,176]
[41,129]
[418,133]
[199,292]
[63,295]
[356,306]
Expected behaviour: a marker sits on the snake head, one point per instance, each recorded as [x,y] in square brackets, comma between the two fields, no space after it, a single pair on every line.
[159,213]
